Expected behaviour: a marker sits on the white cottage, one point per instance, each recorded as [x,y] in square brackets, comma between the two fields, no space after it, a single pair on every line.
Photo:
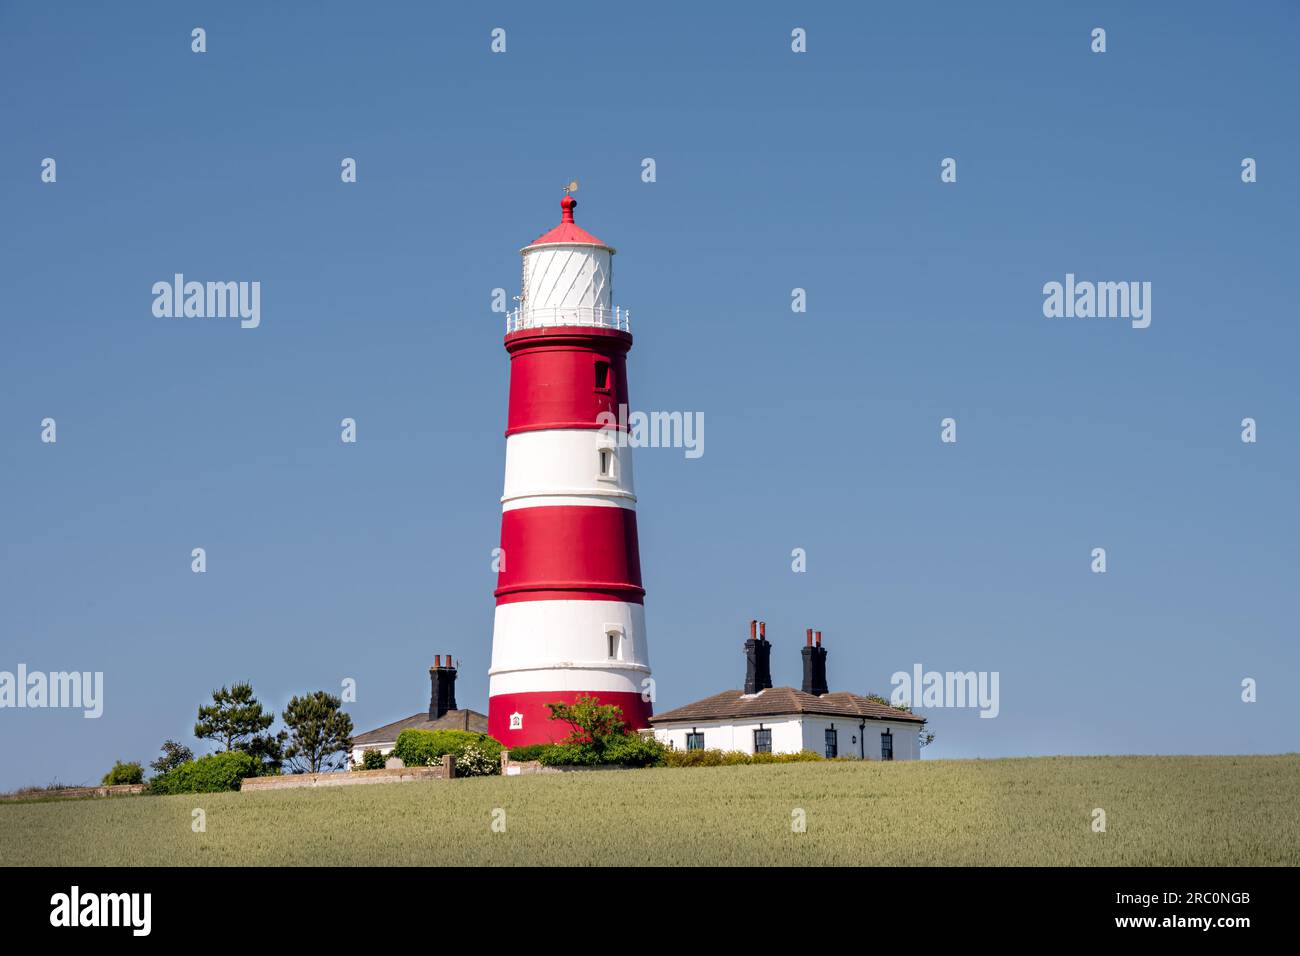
[766,719]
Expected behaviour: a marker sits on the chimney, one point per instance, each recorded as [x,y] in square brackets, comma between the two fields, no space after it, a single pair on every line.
[443,692]
[814,665]
[758,660]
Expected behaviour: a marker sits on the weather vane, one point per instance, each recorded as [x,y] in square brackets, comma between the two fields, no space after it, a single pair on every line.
[572,187]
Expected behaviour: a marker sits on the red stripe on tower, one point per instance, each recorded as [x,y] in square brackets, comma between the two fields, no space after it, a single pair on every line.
[588,552]
[570,619]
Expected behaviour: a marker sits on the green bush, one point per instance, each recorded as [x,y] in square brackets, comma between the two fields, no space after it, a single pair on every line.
[424,748]
[373,760]
[569,755]
[124,773]
[211,774]
[621,750]
[705,758]
[731,758]
[802,756]
[477,761]
[633,750]
[528,752]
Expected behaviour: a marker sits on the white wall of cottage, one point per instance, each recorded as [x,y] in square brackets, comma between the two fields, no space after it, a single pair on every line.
[803,732]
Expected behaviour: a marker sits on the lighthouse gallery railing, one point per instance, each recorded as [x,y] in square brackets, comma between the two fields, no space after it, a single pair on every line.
[615,318]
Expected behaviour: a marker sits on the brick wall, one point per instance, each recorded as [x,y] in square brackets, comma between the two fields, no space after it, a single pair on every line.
[352,777]
[72,792]
[516,768]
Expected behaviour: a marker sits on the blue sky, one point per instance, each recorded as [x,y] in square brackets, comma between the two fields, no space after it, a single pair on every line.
[774,171]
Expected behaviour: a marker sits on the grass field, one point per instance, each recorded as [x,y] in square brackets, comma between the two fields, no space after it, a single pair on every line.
[1159,811]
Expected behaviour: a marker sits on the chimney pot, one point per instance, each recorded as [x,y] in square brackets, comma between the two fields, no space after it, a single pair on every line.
[762,630]
[437,660]
[753,629]
[810,637]
[819,638]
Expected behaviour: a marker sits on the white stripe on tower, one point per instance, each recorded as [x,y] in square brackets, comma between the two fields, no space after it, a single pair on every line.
[563,466]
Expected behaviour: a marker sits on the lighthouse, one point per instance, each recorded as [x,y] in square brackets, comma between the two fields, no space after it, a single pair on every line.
[570,613]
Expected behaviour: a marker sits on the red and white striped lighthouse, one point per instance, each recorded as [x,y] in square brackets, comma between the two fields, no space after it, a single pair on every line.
[570,617]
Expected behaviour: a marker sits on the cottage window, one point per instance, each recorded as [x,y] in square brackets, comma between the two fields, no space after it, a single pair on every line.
[695,740]
[832,743]
[762,741]
[886,746]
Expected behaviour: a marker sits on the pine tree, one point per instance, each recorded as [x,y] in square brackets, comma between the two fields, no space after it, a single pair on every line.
[318,732]
[234,716]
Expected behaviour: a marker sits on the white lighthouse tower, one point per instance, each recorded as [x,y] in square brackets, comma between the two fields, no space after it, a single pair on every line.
[570,617]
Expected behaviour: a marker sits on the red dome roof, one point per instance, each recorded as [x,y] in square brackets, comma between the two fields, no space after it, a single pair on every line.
[568,230]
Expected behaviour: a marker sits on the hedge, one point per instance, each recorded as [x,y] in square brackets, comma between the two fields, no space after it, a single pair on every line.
[211,774]
[423,748]
[123,773]
[528,752]
[624,750]
[730,758]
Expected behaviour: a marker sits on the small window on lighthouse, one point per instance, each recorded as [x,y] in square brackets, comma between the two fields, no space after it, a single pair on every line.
[607,463]
[602,376]
[614,636]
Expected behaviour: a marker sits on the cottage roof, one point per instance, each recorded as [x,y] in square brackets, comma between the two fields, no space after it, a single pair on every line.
[782,701]
[451,720]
